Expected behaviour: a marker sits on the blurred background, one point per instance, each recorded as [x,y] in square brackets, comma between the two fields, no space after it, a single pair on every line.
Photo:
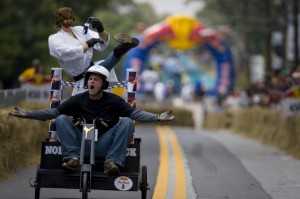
[247,51]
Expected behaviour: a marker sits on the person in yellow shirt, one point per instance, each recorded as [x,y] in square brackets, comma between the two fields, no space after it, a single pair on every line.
[34,74]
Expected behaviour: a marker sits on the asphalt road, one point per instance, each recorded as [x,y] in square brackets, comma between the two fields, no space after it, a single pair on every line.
[188,163]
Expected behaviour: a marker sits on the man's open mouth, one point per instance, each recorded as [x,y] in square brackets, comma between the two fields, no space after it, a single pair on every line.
[92,87]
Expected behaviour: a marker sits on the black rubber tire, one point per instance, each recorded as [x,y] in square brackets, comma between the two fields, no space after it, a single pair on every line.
[85,186]
[144,182]
[37,193]
[37,189]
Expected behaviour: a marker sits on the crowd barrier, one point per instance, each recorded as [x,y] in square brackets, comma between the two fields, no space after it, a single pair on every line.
[10,97]
[27,92]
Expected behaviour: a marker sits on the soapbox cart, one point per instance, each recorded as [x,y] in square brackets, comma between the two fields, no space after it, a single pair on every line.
[133,176]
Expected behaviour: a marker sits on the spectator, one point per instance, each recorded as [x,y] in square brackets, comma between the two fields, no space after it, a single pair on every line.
[296,76]
[149,78]
[34,74]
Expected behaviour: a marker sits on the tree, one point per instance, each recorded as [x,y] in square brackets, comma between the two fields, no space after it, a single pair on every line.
[253,20]
[26,26]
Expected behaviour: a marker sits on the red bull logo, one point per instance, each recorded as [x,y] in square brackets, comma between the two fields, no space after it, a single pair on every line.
[132,80]
[56,77]
[55,95]
[123,183]
[130,75]
[123,178]
[131,98]
[54,98]
[56,74]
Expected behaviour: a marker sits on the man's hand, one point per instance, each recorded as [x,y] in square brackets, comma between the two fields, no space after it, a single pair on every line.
[165,116]
[19,113]
[96,23]
[92,42]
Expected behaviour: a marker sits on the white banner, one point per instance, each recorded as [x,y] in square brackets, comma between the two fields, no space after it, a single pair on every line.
[290,106]
[37,93]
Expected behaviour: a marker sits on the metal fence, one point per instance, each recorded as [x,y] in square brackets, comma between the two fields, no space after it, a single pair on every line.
[30,93]
[10,97]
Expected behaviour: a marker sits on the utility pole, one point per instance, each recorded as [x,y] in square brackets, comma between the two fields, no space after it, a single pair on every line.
[284,25]
[268,35]
[296,34]
[245,7]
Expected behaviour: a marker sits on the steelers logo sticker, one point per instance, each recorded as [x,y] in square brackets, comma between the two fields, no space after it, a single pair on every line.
[123,183]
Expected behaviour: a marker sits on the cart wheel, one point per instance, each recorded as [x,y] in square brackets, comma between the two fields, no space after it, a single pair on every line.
[144,183]
[36,185]
[85,186]
[37,193]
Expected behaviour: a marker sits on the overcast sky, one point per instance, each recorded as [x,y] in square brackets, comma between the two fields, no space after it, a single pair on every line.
[174,6]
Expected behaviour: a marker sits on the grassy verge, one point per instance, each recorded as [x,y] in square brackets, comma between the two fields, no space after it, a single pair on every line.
[268,126]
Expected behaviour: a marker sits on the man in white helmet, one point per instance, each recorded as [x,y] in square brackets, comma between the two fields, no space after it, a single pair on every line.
[95,103]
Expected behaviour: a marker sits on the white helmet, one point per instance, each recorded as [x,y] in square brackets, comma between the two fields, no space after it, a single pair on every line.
[99,70]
